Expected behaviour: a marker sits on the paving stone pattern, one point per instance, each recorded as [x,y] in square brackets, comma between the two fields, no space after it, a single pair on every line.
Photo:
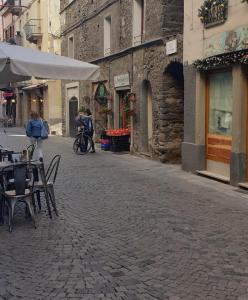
[129,229]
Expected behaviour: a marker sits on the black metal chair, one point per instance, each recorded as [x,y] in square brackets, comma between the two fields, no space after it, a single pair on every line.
[1,201]
[19,191]
[50,177]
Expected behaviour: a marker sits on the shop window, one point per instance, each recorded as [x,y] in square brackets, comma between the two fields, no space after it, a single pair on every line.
[107,36]
[220,104]
[138,21]
[71,47]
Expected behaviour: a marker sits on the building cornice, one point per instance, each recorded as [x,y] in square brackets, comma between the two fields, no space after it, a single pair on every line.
[128,51]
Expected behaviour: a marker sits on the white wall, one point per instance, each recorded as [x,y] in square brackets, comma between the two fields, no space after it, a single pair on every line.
[107,35]
[137,22]
[194,32]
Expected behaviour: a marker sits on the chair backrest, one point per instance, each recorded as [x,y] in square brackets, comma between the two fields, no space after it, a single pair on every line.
[30,150]
[19,173]
[52,170]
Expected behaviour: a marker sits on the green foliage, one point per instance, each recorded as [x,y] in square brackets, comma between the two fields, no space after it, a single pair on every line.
[204,12]
[105,110]
[227,59]
[82,109]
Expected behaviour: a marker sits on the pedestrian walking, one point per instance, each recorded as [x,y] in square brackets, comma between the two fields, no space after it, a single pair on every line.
[37,132]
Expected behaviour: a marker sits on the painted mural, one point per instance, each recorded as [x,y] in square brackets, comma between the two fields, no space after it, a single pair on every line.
[225,42]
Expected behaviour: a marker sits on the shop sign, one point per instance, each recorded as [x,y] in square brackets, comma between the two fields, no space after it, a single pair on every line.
[171,47]
[121,80]
[8,94]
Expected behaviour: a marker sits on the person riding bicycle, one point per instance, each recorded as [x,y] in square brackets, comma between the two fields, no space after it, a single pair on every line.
[86,122]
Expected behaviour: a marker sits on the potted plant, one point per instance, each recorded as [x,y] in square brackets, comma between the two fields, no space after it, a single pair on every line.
[105,110]
[82,109]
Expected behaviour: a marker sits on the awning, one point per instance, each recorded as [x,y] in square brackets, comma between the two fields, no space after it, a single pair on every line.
[19,64]
[34,86]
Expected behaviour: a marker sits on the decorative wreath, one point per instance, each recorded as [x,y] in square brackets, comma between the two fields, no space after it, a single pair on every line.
[227,59]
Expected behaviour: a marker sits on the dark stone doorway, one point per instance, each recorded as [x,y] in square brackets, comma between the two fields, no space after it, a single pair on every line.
[73,110]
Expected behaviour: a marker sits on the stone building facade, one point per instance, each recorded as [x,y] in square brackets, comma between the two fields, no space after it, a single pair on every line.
[138,46]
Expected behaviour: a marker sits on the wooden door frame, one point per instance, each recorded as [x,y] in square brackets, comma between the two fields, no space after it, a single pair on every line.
[246,126]
[225,139]
[72,100]
[69,86]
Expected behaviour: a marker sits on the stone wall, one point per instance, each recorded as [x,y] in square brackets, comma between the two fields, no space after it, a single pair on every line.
[163,22]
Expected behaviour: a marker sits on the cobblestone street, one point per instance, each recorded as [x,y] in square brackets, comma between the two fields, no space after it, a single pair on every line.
[128,228]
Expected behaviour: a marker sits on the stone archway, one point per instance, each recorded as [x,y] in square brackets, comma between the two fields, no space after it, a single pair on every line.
[171,114]
[146,117]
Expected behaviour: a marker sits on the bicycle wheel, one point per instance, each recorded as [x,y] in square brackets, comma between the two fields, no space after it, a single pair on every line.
[86,144]
[76,145]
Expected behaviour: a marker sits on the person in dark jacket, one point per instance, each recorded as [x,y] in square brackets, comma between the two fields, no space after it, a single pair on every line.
[86,122]
[89,128]
[33,131]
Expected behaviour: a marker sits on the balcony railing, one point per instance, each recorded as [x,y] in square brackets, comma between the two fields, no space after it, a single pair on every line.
[11,6]
[32,30]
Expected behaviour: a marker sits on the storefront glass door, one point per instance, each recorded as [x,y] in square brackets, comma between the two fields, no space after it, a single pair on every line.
[219,122]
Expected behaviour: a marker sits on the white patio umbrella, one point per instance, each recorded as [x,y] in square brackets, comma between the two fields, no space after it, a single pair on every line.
[18,64]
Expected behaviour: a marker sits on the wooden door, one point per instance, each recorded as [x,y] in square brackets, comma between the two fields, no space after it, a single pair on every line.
[73,110]
[247,129]
[219,117]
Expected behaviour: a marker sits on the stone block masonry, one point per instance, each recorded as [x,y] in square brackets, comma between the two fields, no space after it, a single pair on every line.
[146,65]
